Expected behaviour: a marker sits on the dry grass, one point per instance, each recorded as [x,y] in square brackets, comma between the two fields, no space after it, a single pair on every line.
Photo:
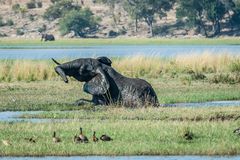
[135,66]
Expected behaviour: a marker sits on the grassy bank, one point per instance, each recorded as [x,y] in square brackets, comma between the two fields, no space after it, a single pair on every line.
[16,43]
[132,137]
[153,114]
[215,68]
[56,95]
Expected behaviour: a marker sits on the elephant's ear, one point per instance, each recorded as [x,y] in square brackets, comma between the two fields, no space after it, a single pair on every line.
[98,85]
[105,60]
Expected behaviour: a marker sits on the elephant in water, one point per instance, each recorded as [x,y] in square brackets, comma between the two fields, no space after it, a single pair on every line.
[105,84]
[48,37]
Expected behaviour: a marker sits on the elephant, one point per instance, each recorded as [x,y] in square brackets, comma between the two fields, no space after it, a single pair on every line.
[48,37]
[105,84]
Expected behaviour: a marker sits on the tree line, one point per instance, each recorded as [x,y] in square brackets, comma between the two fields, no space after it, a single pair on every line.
[206,17]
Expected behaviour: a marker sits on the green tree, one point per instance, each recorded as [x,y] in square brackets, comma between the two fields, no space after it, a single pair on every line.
[200,13]
[148,9]
[59,8]
[235,18]
[81,22]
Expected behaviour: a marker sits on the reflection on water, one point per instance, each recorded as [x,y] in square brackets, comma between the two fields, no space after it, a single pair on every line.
[126,158]
[117,51]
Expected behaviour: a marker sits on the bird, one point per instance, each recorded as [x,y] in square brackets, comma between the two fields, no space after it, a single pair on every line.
[94,138]
[76,139]
[82,137]
[188,135]
[105,137]
[30,139]
[56,139]
[237,131]
[6,142]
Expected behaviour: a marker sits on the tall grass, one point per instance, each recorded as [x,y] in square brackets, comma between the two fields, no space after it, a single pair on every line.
[134,66]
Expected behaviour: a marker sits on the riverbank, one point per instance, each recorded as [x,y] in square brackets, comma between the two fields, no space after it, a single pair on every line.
[61,43]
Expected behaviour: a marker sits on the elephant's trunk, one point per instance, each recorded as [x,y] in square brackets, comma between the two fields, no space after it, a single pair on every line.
[59,70]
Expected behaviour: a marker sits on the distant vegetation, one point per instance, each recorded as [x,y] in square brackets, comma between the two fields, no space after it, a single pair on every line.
[206,17]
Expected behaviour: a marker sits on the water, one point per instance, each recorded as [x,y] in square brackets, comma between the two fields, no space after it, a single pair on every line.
[10,116]
[116,51]
[206,104]
[126,158]
[13,116]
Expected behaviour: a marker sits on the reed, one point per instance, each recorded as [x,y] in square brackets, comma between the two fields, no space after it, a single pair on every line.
[134,66]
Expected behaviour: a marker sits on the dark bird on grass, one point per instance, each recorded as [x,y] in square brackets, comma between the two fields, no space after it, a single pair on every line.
[56,139]
[106,138]
[94,138]
[83,138]
[77,139]
[32,140]
[188,135]
[237,131]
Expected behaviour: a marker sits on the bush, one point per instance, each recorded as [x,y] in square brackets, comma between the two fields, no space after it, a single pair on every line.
[112,34]
[42,29]
[9,22]
[39,4]
[31,5]
[3,35]
[1,22]
[16,8]
[59,9]
[31,17]
[81,22]
[20,32]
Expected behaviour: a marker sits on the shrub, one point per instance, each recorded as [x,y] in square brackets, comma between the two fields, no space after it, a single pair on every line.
[9,22]
[16,8]
[3,35]
[31,17]
[59,9]
[39,4]
[20,32]
[82,22]
[1,22]
[31,5]
[42,29]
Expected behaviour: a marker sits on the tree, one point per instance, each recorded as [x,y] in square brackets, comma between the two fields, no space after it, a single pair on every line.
[111,4]
[147,9]
[199,13]
[81,22]
[235,18]
[59,8]
[133,11]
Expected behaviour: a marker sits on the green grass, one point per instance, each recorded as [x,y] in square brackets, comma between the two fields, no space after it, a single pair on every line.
[132,137]
[16,43]
[154,114]
[56,95]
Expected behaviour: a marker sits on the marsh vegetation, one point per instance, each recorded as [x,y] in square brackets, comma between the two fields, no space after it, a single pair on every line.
[33,85]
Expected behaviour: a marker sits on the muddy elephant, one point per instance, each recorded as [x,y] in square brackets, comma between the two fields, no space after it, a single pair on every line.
[48,37]
[105,84]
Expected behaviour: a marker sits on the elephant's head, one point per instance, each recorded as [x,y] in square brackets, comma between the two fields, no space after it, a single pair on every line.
[86,70]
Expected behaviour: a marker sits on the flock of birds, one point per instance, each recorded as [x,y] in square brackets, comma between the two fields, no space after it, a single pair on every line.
[81,138]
